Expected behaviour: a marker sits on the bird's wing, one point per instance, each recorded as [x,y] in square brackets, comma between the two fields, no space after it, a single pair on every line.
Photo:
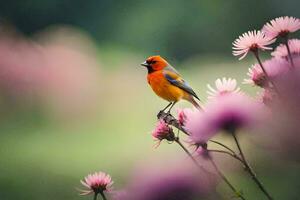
[175,79]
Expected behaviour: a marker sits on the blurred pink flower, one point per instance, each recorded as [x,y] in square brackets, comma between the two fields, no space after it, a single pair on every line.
[233,112]
[274,68]
[199,127]
[223,86]
[20,66]
[182,115]
[283,125]
[58,72]
[163,131]
[170,183]
[281,50]
[59,75]
[228,113]
[281,26]
[297,61]
[256,76]
[251,41]
[202,151]
[96,183]
[266,97]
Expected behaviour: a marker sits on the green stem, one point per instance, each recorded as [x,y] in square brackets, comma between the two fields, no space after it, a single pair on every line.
[264,70]
[250,170]
[222,145]
[95,195]
[103,196]
[189,154]
[238,194]
[228,153]
[286,42]
[215,166]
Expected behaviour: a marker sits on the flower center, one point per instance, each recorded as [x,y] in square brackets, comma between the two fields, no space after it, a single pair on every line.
[254,47]
[99,188]
[260,79]
[284,33]
[224,92]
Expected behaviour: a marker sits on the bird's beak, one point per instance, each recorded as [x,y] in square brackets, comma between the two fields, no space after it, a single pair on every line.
[145,64]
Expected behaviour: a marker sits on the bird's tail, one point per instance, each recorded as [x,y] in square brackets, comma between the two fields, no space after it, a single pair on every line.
[194,102]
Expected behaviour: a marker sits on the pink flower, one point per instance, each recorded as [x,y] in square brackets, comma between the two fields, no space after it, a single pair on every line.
[223,86]
[257,76]
[274,68]
[173,181]
[281,50]
[297,61]
[32,73]
[96,183]
[283,124]
[266,97]
[281,26]
[233,112]
[228,113]
[198,125]
[202,151]
[182,115]
[163,131]
[251,41]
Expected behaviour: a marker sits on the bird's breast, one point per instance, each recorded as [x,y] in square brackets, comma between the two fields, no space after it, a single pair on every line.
[163,88]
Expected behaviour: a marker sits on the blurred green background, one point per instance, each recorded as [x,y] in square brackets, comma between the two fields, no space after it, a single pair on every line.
[48,145]
[177,29]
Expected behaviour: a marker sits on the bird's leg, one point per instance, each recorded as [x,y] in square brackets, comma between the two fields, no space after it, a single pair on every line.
[160,113]
[166,107]
[169,111]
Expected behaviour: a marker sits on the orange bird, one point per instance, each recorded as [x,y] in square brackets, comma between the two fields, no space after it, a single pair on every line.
[167,83]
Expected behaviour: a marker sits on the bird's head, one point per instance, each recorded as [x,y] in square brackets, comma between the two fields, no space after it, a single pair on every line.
[155,63]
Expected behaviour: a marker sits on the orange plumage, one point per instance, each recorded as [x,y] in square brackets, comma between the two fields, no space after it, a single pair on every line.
[167,83]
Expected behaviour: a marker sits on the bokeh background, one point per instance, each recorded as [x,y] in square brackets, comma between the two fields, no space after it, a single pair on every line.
[74,99]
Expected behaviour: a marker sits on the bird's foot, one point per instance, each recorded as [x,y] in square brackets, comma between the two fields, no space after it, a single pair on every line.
[163,115]
[160,114]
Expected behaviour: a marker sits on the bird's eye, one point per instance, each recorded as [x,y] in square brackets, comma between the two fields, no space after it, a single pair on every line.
[150,62]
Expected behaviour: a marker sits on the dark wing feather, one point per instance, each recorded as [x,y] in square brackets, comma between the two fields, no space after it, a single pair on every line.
[175,79]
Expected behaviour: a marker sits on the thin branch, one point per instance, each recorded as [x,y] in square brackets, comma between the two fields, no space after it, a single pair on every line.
[215,166]
[249,169]
[228,153]
[95,195]
[103,196]
[169,119]
[190,155]
[238,194]
[223,145]
[286,42]
[264,70]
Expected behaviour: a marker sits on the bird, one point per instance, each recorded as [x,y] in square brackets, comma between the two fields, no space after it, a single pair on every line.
[167,83]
